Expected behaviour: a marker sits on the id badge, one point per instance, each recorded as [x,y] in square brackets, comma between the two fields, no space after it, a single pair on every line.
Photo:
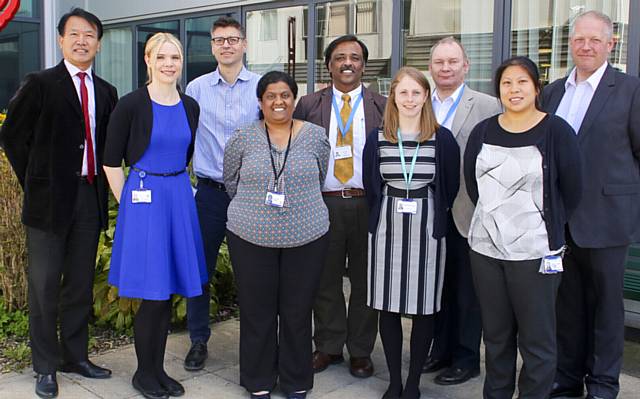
[142,196]
[407,206]
[342,152]
[274,199]
[551,264]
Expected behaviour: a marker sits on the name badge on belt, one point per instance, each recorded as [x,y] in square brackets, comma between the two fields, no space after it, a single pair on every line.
[551,264]
[407,206]
[342,152]
[274,199]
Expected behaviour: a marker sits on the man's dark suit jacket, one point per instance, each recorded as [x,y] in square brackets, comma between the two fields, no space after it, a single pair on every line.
[43,137]
[609,139]
[316,108]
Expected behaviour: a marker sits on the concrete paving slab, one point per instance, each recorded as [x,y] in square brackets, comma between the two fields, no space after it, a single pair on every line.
[22,386]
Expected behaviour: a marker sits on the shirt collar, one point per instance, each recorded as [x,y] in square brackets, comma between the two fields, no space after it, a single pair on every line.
[593,80]
[353,93]
[453,96]
[216,77]
[73,70]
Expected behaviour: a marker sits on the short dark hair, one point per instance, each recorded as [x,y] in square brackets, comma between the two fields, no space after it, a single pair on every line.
[86,15]
[328,52]
[275,77]
[529,66]
[225,22]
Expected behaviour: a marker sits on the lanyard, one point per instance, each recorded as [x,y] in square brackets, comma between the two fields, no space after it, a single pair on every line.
[345,129]
[407,178]
[453,107]
[277,174]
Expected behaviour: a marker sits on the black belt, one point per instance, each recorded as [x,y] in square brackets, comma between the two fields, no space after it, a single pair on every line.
[422,192]
[168,174]
[211,183]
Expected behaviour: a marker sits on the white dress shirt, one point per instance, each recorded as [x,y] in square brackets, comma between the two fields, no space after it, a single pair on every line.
[441,108]
[331,183]
[577,97]
[88,81]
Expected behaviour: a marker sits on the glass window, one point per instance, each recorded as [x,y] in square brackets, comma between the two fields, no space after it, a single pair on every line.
[114,62]
[283,48]
[198,49]
[371,21]
[470,21]
[540,31]
[29,8]
[19,55]
[144,33]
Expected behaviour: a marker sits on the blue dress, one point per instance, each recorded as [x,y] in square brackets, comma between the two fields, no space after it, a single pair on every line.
[157,248]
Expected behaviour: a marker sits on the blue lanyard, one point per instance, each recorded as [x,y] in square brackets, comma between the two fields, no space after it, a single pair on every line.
[453,107]
[407,178]
[345,129]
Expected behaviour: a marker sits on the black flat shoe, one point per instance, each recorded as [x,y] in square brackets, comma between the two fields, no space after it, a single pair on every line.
[261,395]
[149,393]
[86,369]
[46,385]
[558,391]
[173,387]
[392,393]
[432,365]
[196,357]
[455,375]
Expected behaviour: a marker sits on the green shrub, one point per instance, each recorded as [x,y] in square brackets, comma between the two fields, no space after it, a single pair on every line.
[13,323]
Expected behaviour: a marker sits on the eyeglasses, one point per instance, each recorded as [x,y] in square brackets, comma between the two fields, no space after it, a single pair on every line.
[233,40]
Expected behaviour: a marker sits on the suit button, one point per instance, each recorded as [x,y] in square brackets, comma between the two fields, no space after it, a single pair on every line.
[78,173]
[81,146]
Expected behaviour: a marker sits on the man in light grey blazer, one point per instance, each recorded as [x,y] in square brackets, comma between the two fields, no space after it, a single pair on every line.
[456,346]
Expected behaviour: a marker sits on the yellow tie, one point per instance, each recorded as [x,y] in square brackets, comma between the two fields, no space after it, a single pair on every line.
[343,168]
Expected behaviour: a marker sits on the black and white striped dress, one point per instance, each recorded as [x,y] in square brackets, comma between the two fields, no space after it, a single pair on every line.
[406,264]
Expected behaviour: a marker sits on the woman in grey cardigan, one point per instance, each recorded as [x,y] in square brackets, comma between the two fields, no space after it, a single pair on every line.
[277,235]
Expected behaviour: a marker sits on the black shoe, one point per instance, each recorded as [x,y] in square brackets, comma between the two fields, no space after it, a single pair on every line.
[46,385]
[455,375]
[392,392]
[173,387]
[86,369]
[297,395]
[432,365]
[149,393]
[261,395]
[590,396]
[196,357]
[558,391]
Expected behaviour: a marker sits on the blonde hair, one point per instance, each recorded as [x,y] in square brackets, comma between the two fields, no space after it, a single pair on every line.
[428,122]
[152,47]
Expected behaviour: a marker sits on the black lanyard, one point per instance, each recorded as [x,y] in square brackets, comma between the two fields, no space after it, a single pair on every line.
[277,174]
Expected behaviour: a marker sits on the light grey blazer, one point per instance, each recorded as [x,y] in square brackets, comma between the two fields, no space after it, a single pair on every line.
[474,107]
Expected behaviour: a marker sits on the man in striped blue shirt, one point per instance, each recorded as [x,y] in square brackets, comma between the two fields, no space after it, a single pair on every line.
[227,98]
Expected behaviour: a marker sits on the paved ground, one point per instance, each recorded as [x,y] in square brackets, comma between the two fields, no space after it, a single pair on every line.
[219,379]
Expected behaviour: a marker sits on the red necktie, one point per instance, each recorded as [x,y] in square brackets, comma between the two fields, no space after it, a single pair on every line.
[84,96]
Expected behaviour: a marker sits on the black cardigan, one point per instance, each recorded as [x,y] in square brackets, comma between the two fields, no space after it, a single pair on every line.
[129,130]
[446,181]
[561,172]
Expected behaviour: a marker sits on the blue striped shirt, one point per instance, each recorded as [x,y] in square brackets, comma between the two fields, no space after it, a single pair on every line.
[223,109]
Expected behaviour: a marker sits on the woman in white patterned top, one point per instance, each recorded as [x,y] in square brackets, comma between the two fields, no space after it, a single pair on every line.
[277,234]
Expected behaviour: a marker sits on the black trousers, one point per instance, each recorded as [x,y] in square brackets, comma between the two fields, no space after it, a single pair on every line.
[458,324]
[61,270]
[518,313]
[334,325]
[590,314]
[276,290]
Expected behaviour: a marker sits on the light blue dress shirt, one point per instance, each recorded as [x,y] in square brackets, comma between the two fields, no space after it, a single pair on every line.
[223,109]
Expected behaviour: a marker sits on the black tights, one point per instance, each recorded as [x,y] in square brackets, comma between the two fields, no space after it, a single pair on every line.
[150,329]
[391,335]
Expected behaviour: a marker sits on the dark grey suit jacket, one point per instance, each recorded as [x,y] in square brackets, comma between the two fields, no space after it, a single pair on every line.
[609,140]
[316,108]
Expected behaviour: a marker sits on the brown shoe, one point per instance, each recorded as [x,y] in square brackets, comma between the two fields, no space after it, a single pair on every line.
[361,367]
[323,360]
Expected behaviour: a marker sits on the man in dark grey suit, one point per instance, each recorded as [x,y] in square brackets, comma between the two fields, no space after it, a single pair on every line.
[347,100]
[601,104]
[54,138]
[458,324]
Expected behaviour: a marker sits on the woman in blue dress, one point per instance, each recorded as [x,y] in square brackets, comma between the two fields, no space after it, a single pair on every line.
[157,248]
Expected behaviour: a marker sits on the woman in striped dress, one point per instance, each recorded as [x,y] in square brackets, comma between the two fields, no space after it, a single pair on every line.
[411,177]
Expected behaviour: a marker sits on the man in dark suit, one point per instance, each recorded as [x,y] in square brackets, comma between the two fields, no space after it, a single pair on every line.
[348,111]
[54,136]
[457,107]
[601,104]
